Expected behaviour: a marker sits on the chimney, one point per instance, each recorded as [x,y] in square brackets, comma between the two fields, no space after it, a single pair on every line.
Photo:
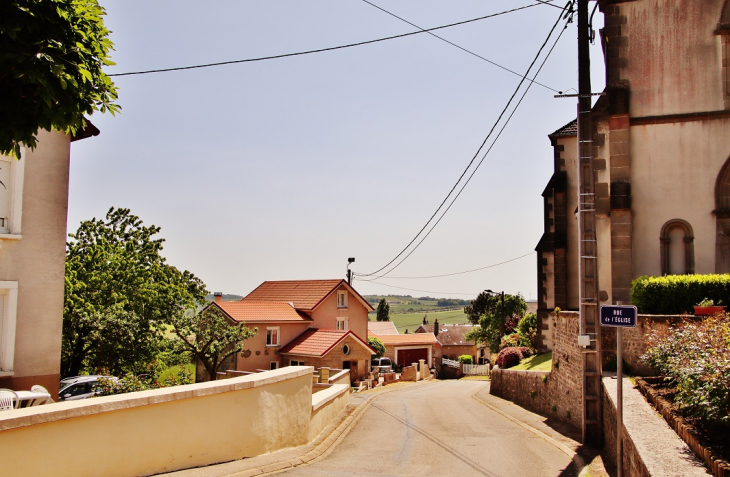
[436,327]
[218,297]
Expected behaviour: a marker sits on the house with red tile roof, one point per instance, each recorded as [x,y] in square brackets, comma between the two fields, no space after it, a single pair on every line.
[452,339]
[407,349]
[320,323]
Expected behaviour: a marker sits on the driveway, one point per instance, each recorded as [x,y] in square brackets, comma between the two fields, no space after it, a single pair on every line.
[438,429]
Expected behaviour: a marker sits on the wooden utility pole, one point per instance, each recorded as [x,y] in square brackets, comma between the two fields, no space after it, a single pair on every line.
[589,313]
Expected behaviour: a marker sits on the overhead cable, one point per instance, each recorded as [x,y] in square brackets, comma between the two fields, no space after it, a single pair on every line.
[461,47]
[456,273]
[320,50]
[456,184]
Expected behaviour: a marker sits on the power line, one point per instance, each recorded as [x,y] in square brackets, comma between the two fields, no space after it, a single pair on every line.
[483,157]
[494,126]
[457,273]
[320,50]
[461,47]
[424,291]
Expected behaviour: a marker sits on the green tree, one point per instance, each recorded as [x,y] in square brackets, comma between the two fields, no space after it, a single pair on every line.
[490,330]
[115,274]
[51,57]
[210,336]
[478,307]
[383,313]
[377,345]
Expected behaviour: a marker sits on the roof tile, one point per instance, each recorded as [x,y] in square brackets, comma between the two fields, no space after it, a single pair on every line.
[304,294]
[315,342]
[379,328]
[254,311]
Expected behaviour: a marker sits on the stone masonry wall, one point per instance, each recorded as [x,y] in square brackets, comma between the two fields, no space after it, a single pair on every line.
[634,340]
[556,393]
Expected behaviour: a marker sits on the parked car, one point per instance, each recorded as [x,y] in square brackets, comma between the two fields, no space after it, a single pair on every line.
[79,387]
[382,365]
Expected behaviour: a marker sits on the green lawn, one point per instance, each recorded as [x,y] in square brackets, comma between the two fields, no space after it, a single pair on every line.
[411,321]
[539,362]
[172,370]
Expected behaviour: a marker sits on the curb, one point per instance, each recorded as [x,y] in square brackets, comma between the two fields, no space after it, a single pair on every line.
[583,469]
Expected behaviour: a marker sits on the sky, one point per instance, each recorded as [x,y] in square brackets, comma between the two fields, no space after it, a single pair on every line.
[283,169]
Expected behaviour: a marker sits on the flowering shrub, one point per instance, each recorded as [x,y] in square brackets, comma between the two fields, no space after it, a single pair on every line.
[515,340]
[509,357]
[696,356]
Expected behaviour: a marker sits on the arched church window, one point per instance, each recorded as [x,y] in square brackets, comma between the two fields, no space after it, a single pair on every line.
[677,248]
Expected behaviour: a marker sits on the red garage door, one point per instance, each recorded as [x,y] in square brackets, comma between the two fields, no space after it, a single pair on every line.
[406,357]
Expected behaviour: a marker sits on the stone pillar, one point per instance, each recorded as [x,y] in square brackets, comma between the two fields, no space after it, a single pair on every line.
[422,368]
[418,371]
[324,375]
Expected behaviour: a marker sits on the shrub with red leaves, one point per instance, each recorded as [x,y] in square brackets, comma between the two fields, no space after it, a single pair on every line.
[525,352]
[509,357]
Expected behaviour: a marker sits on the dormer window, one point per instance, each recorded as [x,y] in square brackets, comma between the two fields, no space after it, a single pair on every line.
[341,299]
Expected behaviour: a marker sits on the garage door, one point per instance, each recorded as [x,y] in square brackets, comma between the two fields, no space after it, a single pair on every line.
[406,357]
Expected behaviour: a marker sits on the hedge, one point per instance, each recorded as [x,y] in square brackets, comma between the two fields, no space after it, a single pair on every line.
[677,294]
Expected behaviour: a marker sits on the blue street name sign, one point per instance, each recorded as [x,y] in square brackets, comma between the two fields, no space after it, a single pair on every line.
[616,315]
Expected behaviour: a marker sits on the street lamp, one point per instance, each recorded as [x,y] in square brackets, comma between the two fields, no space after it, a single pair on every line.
[502,328]
[350,261]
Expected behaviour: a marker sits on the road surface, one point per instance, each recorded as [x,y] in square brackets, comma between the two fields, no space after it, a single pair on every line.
[438,429]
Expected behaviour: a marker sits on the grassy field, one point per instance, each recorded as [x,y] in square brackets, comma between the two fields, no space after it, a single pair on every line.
[539,362]
[410,321]
[402,304]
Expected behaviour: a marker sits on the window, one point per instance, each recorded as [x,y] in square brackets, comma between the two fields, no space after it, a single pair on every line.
[346,350]
[342,323]
[11,194]
[273,365]
[677,248]
[293,362]
[342,299]
[272,336]
[8,307]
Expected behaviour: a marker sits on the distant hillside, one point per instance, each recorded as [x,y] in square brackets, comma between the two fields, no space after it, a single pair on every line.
[226,297]
[408,304]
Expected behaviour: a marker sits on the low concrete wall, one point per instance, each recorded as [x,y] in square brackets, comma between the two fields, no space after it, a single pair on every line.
[327,405]
[167,429]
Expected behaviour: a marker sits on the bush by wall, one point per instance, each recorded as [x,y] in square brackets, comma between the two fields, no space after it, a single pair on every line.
[466,359]
[509,357]
[697,357]
[677,294]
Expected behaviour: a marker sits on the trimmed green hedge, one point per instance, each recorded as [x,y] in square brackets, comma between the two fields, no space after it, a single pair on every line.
[677,294]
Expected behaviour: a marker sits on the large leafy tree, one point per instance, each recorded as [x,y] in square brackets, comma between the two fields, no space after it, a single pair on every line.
[491,329]
[51,57]
[383,312]
[478,307]
[210,336]
[377,345]
[119,290]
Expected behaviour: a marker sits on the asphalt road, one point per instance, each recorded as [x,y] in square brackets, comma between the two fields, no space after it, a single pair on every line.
[438,429]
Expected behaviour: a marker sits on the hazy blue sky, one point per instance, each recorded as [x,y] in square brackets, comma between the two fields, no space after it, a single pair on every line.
[283,169]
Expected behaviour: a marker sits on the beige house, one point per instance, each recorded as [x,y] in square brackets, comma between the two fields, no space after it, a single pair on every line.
[661,152]
[320,323]
[33,209]
[452,339]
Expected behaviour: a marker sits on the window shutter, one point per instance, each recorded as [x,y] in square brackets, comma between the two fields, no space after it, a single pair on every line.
[2,321]
[4,196]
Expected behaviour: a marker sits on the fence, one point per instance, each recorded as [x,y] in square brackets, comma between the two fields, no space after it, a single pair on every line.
[450,362]
[476,369]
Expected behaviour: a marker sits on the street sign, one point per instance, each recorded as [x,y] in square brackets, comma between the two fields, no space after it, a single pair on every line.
[618,316]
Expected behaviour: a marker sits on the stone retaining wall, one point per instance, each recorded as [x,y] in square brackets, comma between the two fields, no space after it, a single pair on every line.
[556,393]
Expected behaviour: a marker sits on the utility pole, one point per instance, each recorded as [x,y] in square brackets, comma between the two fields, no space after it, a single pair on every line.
[592,429]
